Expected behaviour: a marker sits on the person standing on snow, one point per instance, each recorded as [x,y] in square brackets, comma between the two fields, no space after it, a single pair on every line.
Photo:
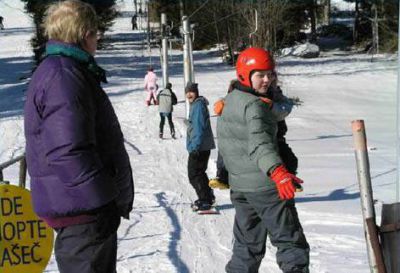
[281,106]
[262,189]
[221,181]
[81,178]
[1,23]
[199,143]
[166,99]
[134,22]
[151,86]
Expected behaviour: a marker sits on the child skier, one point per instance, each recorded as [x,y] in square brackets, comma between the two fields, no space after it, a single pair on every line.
[150,85]
[166,99]
[262,188]
[199,143]
[221,181]
[281,107]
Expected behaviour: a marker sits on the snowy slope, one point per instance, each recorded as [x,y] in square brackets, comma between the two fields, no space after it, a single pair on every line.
[163,235]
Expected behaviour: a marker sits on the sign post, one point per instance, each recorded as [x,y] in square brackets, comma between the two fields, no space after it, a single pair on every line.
[26,242]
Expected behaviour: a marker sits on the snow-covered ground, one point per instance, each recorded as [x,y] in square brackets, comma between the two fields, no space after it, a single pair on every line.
[163,234]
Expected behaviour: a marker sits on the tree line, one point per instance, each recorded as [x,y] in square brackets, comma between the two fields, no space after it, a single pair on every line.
[36,8]
[282,23]
[231,24]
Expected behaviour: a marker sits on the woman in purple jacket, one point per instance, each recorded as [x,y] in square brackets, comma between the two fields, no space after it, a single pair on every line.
[81,179]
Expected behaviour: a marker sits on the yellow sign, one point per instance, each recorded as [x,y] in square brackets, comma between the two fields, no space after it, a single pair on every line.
[26,241]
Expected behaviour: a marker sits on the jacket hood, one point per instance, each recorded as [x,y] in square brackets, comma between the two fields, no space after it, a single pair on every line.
[201,98]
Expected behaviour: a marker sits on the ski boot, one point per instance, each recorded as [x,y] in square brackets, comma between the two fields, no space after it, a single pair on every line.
[160,135]
[200,205]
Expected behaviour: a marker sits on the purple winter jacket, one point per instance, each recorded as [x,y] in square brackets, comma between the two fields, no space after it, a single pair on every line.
[74,145]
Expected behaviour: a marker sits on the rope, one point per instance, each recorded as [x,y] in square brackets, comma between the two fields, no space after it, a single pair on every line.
[198,9]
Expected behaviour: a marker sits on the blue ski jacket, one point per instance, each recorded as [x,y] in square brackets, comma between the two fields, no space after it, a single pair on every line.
[199,133]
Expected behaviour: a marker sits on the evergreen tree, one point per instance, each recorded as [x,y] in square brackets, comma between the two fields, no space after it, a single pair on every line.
[104,8]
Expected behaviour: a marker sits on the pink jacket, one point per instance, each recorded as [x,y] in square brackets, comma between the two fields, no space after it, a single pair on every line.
[150,81]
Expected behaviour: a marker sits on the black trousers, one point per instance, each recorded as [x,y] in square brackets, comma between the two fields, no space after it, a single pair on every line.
[162,122]
[88,248]
[197,166]
[259,214]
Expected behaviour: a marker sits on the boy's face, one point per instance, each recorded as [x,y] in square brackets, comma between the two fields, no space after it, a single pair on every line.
[261,80]
[191,96]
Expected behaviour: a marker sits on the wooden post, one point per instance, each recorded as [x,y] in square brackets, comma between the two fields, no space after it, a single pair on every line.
[390,236]
[22,172]
[367,204]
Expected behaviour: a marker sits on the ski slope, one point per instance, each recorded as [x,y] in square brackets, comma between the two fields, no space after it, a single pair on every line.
[163,234]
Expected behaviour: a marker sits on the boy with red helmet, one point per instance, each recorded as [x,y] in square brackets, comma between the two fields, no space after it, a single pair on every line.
[262,189]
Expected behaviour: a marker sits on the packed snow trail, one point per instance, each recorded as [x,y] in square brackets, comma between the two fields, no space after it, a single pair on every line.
[163,234]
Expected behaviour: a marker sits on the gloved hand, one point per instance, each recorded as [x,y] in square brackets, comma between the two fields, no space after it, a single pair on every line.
[286,182]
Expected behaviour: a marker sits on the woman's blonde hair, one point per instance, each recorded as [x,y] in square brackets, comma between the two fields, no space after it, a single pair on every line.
[69,21]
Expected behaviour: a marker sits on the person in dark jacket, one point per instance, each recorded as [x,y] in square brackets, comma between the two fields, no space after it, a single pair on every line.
[134,22]
[199,143]
[81,178]
[262,188]
[166,101]
[221,180]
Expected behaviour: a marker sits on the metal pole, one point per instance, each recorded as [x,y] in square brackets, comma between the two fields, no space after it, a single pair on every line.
[187,66]
[164,49]
[398,114]
[191,56]
[367,202]
[135,3]
[148,30]
[255,30]
[181,9]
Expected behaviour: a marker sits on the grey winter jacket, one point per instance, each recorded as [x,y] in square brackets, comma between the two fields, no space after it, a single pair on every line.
[199,133]
[166,99]
[247,132]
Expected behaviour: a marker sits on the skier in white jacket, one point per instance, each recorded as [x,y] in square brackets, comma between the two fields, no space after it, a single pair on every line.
[151,86]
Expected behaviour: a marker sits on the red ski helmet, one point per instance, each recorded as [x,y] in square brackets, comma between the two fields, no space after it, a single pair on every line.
[250,59]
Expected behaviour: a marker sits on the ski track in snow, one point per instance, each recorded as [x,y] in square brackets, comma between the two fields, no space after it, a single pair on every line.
[163,234]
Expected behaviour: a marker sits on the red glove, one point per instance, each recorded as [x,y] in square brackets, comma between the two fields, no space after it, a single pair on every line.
[285,182]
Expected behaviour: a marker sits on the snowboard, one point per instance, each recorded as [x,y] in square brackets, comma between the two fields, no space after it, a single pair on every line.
[213,210]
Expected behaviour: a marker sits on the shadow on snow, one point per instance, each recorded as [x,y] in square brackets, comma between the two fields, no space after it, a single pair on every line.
[175,235]
[336,195]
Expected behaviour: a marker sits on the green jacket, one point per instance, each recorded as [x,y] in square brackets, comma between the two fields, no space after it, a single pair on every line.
[247,141]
